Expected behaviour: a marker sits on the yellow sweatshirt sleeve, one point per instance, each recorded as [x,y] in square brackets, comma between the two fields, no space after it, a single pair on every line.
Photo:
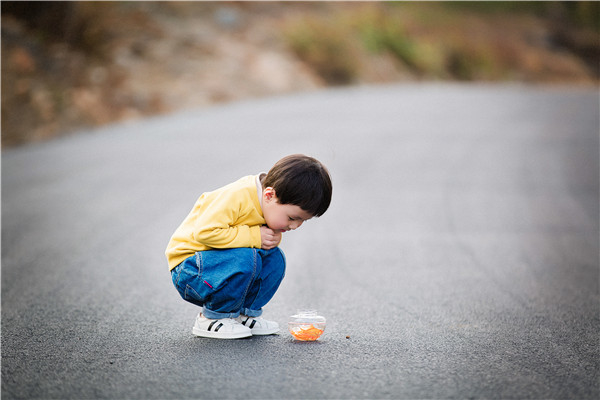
[223,236]
[227,222]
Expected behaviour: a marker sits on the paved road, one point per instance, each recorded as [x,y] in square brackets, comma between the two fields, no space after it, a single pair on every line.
[460,254]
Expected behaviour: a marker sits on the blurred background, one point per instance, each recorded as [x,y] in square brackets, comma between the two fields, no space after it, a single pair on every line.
[69,66]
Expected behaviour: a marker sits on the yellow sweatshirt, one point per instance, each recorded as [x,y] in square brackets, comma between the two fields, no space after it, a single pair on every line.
[225,218]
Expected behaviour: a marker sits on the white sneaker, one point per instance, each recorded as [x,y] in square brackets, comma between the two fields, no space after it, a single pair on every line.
[258,325]
[226,328]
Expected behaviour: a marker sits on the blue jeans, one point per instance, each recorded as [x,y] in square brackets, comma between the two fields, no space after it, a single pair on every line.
[230,282]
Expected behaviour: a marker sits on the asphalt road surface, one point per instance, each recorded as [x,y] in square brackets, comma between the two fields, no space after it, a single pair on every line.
[459,258]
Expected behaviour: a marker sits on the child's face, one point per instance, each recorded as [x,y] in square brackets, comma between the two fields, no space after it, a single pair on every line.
[282,217]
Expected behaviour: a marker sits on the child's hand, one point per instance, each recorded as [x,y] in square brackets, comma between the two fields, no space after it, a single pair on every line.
[269,238]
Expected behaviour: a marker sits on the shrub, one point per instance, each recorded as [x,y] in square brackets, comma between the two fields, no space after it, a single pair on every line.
[324,46]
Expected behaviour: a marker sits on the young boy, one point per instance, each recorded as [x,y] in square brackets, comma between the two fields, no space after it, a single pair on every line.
[224,256]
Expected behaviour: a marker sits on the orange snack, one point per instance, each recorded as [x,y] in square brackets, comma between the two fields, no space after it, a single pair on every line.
[306,332]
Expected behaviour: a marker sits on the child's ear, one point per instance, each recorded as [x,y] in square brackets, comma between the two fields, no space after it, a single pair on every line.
[269,194]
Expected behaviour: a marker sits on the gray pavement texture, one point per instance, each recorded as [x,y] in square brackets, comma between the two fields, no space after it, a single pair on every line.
[459,258]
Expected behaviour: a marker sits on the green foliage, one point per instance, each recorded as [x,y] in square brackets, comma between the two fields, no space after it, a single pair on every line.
[331,46]
[578,13]
[532,7]
[437,39]
[385,34]
[325,47]
[468,63]
[82,25]
[583,13]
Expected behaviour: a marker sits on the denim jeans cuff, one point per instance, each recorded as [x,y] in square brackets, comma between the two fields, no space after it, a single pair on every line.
[218,315]
[252,313]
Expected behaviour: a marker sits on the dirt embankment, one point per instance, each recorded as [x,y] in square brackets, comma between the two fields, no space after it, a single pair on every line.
[73,65]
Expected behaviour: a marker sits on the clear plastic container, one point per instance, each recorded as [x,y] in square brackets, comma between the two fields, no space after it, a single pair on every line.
[306,325]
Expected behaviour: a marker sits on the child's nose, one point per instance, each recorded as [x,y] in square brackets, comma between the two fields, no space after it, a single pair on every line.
[295,225]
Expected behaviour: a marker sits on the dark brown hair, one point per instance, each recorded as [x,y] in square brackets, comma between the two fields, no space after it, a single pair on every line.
[301,181]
